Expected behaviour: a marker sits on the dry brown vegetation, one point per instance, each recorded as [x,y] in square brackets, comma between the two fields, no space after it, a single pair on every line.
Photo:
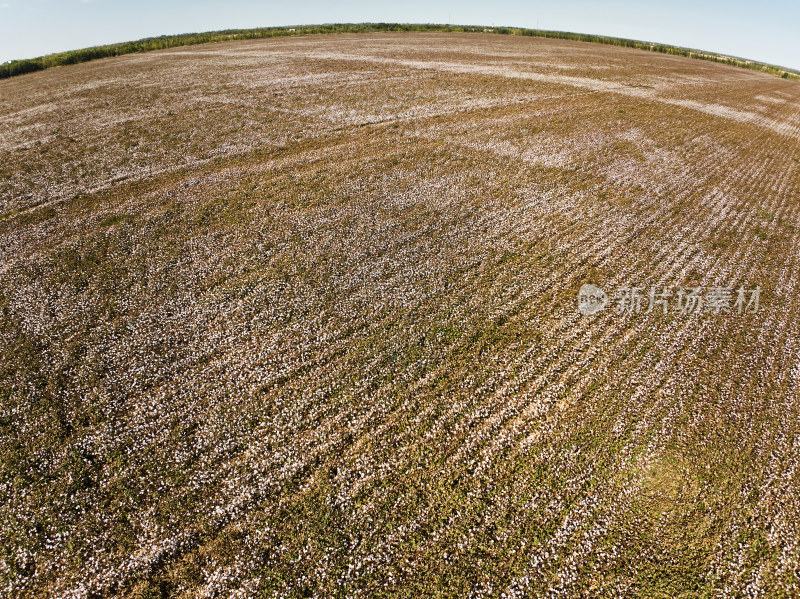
[297,317]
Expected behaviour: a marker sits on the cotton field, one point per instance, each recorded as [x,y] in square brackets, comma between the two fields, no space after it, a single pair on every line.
[298,317]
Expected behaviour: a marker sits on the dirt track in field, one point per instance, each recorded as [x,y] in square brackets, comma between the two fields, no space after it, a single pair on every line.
[298,317]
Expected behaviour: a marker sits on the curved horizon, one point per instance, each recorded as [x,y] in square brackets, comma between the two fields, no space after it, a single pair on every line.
[411,24]
[89,53]
[761,33]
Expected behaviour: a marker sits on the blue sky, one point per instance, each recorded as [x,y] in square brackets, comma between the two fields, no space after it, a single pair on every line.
[768,30]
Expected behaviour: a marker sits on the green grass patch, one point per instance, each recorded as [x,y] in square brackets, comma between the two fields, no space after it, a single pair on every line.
[115,219]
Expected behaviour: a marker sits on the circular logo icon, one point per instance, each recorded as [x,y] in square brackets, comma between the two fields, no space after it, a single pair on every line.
[591,299]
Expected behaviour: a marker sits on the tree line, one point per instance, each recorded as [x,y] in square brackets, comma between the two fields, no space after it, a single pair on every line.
[30,65]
